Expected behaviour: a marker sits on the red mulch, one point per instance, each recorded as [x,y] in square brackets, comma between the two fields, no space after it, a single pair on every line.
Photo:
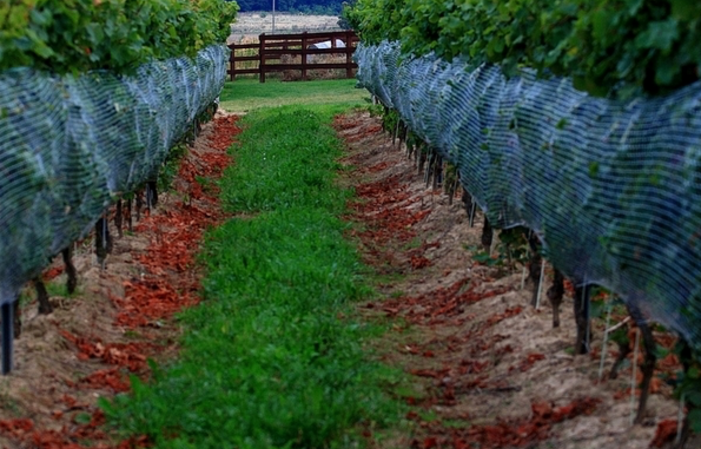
[514,433]
[386,209]
[439,305]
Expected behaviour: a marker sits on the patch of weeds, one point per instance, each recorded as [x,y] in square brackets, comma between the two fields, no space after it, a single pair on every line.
[414,243]
[387,278]
[375,110]
[26,295]
[206,183]
[357,227]
[512,249]
[428,415]
[8,403]
[456,424]
[82,418]
[54,288]
[59,288]
[131,334]
[513,245]
[170,167]
[483,257]
[412,390]
[346,168]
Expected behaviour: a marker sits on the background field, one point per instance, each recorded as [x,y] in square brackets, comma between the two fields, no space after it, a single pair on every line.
[244,95]
[250,24]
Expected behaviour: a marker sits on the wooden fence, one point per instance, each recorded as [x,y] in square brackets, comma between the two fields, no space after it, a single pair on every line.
[271,49]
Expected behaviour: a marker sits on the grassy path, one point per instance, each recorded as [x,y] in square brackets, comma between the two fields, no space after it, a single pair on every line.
[273,356]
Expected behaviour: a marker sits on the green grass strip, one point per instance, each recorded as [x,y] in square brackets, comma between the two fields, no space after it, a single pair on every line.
[272,357]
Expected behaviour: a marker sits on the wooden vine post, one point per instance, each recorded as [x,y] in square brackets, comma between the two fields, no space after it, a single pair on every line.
[7,335]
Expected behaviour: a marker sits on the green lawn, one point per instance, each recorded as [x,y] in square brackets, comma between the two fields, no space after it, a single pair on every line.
[244,95]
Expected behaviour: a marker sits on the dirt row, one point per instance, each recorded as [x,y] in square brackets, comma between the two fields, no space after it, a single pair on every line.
[121,315]
[489,370]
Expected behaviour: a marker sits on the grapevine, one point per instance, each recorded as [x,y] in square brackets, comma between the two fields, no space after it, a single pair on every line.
[74,36]
[608,47]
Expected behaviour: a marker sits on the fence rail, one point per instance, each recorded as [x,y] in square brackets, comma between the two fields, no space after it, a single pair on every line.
[273,48]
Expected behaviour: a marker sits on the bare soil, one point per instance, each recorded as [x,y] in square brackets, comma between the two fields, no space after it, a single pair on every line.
[489,370]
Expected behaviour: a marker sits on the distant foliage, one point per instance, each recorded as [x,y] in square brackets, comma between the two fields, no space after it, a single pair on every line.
[345,19]
[322,7]
[607,46]
[119,35]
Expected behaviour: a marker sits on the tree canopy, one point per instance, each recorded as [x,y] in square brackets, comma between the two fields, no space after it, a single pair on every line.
[305,6]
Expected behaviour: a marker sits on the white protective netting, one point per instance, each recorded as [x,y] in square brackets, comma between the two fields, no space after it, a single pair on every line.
[612,188]
[70,145]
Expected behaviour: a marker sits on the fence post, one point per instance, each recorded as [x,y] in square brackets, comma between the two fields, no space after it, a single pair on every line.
[304,56]
[349,53]
[261,55]
[232,62]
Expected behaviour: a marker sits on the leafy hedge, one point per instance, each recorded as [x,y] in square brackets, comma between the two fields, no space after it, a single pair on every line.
[119,35]
[607,46]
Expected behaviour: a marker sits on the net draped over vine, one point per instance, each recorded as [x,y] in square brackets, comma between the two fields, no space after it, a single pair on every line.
[612,188]
[70,145]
